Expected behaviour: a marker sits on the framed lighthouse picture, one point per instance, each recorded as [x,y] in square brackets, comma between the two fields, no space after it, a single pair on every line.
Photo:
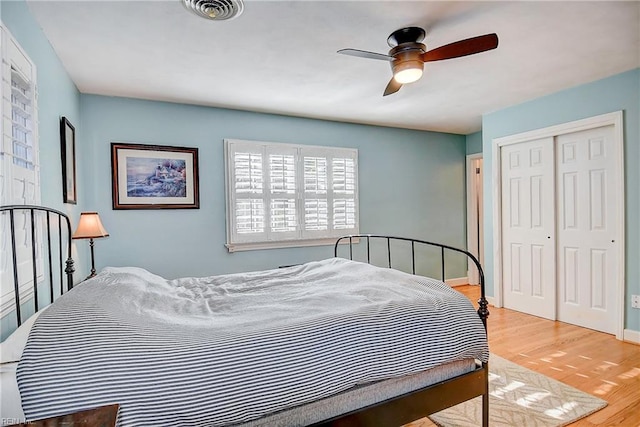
[154,176]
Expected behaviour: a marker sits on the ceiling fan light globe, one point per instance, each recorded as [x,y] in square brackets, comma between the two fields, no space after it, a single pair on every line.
[408,74]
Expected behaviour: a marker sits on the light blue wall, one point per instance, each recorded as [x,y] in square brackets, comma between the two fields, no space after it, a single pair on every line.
[411,184]
[474,143]
[620,92]
[57,96]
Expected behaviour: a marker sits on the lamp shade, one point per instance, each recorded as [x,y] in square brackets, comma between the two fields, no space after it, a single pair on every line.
[89,227]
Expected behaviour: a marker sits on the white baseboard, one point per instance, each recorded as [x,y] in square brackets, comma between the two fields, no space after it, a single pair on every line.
[459,281]
[470,276]
[631,336]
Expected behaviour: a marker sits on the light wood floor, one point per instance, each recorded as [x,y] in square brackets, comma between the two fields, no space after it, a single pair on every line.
[590,361]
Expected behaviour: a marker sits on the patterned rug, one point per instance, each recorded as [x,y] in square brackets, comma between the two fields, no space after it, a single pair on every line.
[520,397]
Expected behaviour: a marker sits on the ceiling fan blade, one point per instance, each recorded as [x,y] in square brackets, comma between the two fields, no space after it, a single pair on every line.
[365,54]
[462,48]
[392,87]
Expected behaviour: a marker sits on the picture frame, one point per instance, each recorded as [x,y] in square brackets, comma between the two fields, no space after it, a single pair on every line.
[154,176]
[68,154]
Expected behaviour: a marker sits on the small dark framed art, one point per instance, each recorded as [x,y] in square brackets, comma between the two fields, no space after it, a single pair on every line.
[154,177]
[68,150]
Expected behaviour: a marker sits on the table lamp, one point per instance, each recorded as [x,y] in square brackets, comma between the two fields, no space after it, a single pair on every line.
[90,227]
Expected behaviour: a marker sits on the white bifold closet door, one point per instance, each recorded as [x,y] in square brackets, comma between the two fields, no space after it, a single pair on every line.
[528,227]
[587,213]
[559,222]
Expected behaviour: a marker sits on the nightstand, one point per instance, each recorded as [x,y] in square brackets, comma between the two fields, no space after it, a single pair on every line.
[103,416]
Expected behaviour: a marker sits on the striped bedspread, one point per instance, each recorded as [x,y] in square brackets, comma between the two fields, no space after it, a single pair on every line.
[223,350]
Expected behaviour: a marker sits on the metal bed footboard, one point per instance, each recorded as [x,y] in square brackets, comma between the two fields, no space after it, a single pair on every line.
[54,269]
[483,310]
[426,401]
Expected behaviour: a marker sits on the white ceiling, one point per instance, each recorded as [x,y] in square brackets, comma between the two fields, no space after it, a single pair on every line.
[280,56]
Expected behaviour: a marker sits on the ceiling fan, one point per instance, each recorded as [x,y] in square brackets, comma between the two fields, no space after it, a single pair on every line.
[407,55]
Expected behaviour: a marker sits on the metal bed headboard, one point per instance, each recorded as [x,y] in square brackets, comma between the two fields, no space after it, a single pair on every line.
[483,311]
[68,263]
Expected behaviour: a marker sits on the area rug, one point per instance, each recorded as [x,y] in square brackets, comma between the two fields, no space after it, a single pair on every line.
[521,397]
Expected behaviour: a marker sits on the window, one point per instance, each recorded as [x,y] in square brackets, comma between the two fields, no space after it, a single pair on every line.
[19,169]
[281,195]
[19,160]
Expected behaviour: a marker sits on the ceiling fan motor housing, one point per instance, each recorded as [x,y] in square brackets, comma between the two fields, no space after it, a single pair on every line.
[406,35]
[407,56]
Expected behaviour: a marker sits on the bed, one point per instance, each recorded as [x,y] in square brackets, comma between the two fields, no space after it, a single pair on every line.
[334,342]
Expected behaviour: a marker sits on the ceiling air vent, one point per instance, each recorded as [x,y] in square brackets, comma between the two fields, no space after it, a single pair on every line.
[217,10]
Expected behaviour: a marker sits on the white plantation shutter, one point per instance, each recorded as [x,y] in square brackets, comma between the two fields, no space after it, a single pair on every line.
[289,195]
[249,176]
[344,207]
[19,168]
[22,132]
[316,214]
[19,159]
[249,216]
[283,218]
[283,215]
[248,186]
[344,213]
[330,192]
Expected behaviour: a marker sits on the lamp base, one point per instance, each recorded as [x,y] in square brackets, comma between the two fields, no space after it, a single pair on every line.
[93,265]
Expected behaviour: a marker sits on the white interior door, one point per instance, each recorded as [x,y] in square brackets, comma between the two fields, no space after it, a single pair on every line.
[475,218]
[528,234]
[587,229]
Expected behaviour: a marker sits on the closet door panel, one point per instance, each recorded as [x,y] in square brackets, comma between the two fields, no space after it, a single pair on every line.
[527,173]
[587,205]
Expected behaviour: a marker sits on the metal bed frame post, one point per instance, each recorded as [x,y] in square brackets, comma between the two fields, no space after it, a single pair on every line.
[34,264]
[69,265]
[49,257]
[16,286]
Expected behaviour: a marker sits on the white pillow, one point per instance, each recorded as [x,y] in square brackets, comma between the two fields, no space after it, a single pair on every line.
[11,349]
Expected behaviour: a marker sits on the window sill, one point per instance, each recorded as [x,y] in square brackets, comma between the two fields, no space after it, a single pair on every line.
[239,247]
